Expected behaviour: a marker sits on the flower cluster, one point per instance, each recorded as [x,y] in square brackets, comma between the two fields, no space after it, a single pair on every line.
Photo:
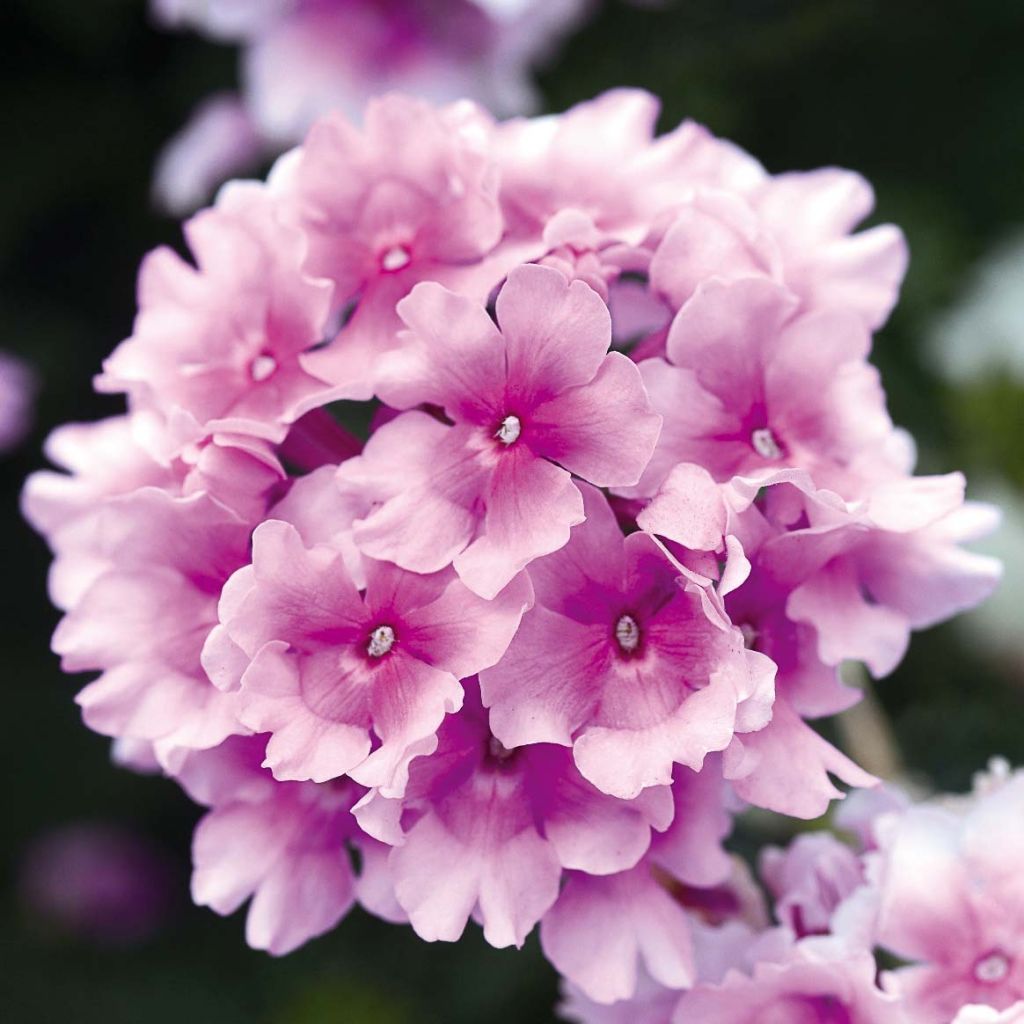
[300,59]
[628,497]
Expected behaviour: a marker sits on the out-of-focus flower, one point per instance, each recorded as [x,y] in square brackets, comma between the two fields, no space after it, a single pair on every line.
[301,59]
[17,393]
[814,983]
[98,882]
[951,901]
[810,880]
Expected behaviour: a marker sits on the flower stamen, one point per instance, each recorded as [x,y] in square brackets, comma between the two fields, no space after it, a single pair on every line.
[764,443]
[509,430]
[382,639]
[627,634]
[262,367]
[395,258]
[992,969]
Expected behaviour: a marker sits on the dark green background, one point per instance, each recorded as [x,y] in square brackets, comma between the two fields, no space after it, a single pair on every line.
[926,99]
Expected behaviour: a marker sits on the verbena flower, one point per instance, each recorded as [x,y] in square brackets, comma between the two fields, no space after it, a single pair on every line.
[625,497]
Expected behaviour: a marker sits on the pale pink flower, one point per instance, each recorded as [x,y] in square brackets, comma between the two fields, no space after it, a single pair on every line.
[815,982]
[601,930]
[810,879]
[607,934]
[146,598]
[601,158]
[219,142]
[220,342]
[951,902]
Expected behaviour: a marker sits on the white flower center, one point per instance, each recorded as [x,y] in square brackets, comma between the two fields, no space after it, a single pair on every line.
[382,639]
[749,635]
[262,367]
[627,633]
[395,258]
[765,444]
[510,429]
[992,968]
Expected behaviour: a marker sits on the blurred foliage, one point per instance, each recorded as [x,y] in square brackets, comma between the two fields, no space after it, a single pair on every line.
[926,100]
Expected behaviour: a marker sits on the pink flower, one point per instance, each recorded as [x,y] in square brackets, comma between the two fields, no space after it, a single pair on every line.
[601,158]
[531,404]
[750,385]
[811,216]
[794,229]
[106,460]
[817,982]
[951,901]
[412,196]
[147,586]
[810,879]
[301,60]
[601,930]
[627,660]
[607,934]
[484,831]
[653,1004]
[346,683]
[813,580]
[221,342]
[717,949]
[863,573]
[283,844]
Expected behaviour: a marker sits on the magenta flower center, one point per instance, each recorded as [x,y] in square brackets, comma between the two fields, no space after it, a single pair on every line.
[382,639]
[992,969]
[627,634]
[765,444]
[509,430]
